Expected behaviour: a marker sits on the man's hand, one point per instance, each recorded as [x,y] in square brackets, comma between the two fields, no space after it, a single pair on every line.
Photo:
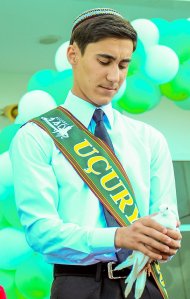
[174,245]
[149,237]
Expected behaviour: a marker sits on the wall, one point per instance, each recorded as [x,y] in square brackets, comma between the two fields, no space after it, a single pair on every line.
[12,87]
[174,123]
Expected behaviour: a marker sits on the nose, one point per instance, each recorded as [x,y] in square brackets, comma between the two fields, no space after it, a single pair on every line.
[113,74]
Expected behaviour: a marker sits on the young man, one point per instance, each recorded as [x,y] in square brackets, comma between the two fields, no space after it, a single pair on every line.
[58,196]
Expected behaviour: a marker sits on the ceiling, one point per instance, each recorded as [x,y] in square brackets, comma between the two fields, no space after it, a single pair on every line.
[24,22]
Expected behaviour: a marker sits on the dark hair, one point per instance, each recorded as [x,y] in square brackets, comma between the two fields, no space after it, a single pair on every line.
[100,27]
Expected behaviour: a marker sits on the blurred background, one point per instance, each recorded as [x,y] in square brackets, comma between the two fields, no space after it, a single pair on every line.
[35,76]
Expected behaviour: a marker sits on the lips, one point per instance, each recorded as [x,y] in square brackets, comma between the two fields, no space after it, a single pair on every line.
[109,88]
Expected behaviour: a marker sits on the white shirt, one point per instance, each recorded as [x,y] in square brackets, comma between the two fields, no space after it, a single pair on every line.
[62,218]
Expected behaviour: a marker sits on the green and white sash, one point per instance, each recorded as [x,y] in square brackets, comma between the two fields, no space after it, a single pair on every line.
[98,166]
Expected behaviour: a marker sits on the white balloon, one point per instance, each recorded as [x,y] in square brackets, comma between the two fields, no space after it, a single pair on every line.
[147,32]
[34,103]
[161,64]
[6,177]
[61,61]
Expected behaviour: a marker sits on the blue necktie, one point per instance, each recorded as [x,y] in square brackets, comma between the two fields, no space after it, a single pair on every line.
[101,132]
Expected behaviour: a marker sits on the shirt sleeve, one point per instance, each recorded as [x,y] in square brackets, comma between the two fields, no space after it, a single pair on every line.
[37,198]
[162,184]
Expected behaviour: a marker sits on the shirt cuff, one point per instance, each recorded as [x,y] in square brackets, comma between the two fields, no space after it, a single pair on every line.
[102,240]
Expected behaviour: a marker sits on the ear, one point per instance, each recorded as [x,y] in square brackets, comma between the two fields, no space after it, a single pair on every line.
[72,54]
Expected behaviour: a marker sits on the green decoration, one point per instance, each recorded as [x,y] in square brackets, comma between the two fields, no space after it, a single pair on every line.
[10,211]
[120,92]
[177,37]
[3,222]
[34,277]
[140,95]
[138,59]
[162,25]
[19,295]
[14,248]
[6,136]
[7,279]
[57,84]
[178,89]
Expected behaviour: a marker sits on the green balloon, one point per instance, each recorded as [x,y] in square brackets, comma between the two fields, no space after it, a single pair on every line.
[10,211]
[6,136]
[57,84]
[34,277]
[18,295]
[177,37]
[138,59]
[7,281]
[178,89]
[3,221]
[140,95]
[162,25]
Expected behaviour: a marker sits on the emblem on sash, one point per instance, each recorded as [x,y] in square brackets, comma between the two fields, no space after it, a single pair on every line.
[59,126]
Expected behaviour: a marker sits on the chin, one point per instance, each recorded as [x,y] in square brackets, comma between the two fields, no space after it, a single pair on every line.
[102,101]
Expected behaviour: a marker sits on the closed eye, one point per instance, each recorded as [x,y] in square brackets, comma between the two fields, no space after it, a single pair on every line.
[104,62]
[123,66]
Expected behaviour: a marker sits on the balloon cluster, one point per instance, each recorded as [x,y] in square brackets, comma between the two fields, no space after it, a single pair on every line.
[160,66]
[23,273]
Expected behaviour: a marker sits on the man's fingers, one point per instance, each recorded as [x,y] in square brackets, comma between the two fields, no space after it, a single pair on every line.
[174,234]
[147,241]
[157,232]
[161,242]
[155,235]
[148,237]
[149,222]
[153,255]
[165,256]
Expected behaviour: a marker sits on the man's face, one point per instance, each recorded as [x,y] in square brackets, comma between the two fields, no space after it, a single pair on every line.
[101,70]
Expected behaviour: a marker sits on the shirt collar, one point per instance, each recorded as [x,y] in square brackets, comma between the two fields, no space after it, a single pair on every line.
[80,108]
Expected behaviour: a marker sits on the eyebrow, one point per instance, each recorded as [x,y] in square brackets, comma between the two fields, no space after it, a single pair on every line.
[112,57]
